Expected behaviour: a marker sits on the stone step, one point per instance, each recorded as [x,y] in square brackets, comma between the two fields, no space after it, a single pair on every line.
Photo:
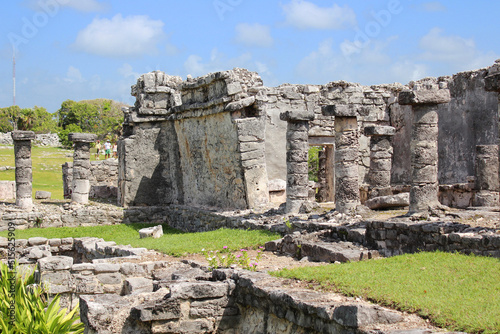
[316,247]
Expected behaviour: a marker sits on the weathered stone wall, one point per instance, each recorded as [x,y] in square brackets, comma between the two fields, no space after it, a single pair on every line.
[467,121]
[395,238]
[198,142]
[103,179]
[42,139]
[59,216]
[372,102]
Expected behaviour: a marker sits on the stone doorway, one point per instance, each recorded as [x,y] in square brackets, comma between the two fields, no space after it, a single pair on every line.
[325,184]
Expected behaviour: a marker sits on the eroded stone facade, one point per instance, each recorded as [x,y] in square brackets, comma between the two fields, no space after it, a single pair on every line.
[218,140]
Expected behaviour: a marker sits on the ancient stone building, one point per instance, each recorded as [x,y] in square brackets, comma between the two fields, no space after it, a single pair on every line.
[218,140]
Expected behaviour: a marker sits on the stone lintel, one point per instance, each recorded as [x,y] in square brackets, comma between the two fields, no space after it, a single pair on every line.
[22,135]
[82,137]
[297,115]
[492,83]
[380,130]
[424,96]
[340,110]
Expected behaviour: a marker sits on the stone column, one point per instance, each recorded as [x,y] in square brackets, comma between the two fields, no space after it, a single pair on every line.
[81,166]
[380,159]
[297,147]
[326,175]
[424,150]
[487,183]
[492,84]
[24,174]
[347,197]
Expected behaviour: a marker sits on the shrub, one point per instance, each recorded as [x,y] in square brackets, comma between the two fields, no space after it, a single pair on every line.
[33,314]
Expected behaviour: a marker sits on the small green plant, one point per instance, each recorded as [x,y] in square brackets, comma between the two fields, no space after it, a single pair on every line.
[226,258]
[38,222]
[24,307]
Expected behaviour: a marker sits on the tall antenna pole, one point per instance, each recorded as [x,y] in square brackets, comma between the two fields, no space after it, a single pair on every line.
[14,75]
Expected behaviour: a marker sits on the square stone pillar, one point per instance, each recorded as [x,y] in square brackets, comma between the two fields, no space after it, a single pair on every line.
[81,166]
[424,146]
[381,152]
[487,182]
[325,175]
[24,173]
[297,152]
[347,197]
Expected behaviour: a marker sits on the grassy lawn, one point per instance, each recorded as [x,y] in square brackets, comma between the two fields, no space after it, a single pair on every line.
[454,291]
[47,172]
[173,241]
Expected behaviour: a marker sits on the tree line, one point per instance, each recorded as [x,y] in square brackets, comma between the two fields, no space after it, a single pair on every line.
[101,116]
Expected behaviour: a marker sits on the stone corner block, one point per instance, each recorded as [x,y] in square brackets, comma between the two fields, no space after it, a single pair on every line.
[297,115]
[424,96]
[82,137]
[382,130]
[339,110]
[23,135]
[492,82]
[155,232]
[53,263]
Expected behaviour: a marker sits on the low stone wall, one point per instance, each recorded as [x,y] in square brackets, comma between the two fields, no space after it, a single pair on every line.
[103,179]
[42,139]
[61,215]
[395,238]
[228,301]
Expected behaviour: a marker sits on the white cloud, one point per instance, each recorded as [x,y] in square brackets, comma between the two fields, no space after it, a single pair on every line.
[307,15]
[73,75]
[446,48]
[457,53]
[434,6]
[127,71]
[87,6]
[371,65]
[253,35]
[121,36]
[196,66]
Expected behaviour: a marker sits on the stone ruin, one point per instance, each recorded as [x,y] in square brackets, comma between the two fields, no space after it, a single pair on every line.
[226,141]
[221,150]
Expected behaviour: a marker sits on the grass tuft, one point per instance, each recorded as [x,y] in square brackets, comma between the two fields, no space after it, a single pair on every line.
[454,291]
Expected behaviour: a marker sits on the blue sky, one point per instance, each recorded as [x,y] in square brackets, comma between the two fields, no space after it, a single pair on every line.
[86,49]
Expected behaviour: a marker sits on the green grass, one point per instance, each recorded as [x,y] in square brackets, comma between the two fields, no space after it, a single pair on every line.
[47,171]
[454,291]
[173,241]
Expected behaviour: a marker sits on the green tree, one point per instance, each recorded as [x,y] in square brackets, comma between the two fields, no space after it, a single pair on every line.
[9,117]
[44,121]
[102,117]
[63,134]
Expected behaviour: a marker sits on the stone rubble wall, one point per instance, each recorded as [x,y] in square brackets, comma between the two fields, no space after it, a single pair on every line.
[63,215]
[194,142]
[103,179]
[42,139]
[395,238]
[372,102]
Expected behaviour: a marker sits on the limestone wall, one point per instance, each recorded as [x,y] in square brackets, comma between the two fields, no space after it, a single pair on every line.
[392,238]
[218,140]
[198,142]
[103,179]
[42,139]
[470,119]
[372,102]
